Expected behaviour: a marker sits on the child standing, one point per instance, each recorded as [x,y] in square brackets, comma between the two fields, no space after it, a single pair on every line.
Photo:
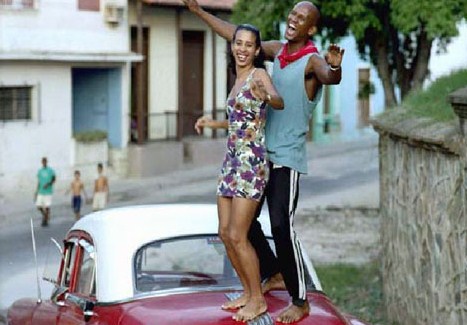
[101,190]
[76,188]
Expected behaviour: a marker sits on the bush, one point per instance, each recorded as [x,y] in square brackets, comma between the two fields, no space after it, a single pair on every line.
[90,136]
[432,102]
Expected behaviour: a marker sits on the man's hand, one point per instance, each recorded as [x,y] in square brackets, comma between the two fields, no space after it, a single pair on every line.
[334,55]
[193,5]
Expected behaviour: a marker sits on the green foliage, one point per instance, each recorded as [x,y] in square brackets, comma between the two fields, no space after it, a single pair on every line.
[438,17]
[90,136]
[366,90]
[431,103]
[394,32]
[361,17]
[356,290]
[266,15]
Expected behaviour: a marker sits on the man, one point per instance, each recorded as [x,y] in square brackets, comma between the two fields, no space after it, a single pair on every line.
[44,191]
[101,190]
[298,75]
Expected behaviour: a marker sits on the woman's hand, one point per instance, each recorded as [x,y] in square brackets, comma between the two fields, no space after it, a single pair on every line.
[201,123]
[193,5]
[259,90]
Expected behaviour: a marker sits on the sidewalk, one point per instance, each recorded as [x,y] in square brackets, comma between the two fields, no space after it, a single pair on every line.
[18,207]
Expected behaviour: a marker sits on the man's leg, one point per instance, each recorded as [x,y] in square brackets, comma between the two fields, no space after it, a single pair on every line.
[42,207]
[268,263]
[282,202]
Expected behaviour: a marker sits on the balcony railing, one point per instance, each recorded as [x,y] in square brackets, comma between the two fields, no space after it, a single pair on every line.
[165,125]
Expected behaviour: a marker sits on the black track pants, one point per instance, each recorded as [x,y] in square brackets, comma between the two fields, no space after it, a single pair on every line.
[282,196]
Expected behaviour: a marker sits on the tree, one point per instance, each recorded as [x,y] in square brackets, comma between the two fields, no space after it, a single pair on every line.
[396,36]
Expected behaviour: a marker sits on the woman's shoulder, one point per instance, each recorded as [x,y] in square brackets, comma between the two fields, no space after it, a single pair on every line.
[260,72]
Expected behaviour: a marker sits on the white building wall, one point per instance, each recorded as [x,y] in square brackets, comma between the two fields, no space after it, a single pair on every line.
[48,134]
[163,67]
[58,26]
[163,63]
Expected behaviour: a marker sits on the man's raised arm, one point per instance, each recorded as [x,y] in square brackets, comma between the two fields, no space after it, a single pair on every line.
[327,70]
[223,28]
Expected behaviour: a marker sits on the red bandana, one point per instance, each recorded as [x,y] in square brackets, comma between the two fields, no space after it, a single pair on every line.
[285,58]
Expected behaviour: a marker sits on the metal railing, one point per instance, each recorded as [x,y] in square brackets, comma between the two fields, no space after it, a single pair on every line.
[166,125]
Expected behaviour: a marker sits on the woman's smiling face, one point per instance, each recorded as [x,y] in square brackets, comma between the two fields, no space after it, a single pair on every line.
[244,48]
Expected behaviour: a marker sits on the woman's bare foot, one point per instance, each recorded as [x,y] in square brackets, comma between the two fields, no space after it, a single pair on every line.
[276,282]
[252,309]
[236,303]
[293,313]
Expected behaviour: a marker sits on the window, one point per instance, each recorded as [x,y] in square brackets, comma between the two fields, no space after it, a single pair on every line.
[17,4]
[87,273]
[69,263]
[90,5]
[15,103]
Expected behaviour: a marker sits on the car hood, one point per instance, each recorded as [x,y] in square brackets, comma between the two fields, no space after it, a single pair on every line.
[204,309]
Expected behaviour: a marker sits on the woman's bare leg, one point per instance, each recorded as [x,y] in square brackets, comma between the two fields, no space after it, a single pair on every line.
[224,208]
[242,214]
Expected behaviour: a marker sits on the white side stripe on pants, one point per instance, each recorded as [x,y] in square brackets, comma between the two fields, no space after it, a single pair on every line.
[295,242]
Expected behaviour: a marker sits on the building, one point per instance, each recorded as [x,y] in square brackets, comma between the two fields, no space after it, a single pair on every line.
[64,69]
[69,66]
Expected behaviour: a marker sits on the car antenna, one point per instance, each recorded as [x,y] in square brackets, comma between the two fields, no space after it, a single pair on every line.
[33,237]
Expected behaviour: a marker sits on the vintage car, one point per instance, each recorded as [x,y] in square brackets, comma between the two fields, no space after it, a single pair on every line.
[159,264]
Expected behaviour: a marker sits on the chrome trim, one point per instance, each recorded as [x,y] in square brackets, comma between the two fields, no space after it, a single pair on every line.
[170,292]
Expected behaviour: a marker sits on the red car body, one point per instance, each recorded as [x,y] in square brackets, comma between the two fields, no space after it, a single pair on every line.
[94,289]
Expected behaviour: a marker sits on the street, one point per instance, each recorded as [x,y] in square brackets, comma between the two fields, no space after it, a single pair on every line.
[338,176]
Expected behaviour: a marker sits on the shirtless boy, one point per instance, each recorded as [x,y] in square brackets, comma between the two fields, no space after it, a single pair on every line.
[101,190]
[76,188]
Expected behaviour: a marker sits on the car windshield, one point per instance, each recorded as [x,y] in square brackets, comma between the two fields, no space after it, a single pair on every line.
[184,262]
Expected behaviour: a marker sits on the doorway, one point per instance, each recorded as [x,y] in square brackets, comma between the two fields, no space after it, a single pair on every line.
[192,104]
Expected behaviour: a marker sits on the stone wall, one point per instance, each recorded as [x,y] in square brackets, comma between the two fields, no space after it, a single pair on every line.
[424,221]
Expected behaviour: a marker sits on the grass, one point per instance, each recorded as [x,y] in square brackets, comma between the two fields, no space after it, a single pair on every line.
[356,290]
[90,136]
[432,102]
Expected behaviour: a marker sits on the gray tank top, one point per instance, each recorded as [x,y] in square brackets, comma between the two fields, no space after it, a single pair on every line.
[286,129]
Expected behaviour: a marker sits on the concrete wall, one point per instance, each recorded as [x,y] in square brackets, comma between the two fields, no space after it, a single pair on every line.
[39,47]
[58,26]
[24,143]
[424,221]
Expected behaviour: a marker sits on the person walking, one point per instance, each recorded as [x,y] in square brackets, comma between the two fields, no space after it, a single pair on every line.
[101,190]
[298,75]
[76,187]
[44,191]
[245,171]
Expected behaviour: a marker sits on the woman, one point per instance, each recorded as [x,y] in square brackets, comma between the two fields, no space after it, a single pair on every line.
[245,171]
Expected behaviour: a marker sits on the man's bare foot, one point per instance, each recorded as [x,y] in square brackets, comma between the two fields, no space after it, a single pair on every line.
[236,303]
[276,282]
[252,309]
[293,313]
